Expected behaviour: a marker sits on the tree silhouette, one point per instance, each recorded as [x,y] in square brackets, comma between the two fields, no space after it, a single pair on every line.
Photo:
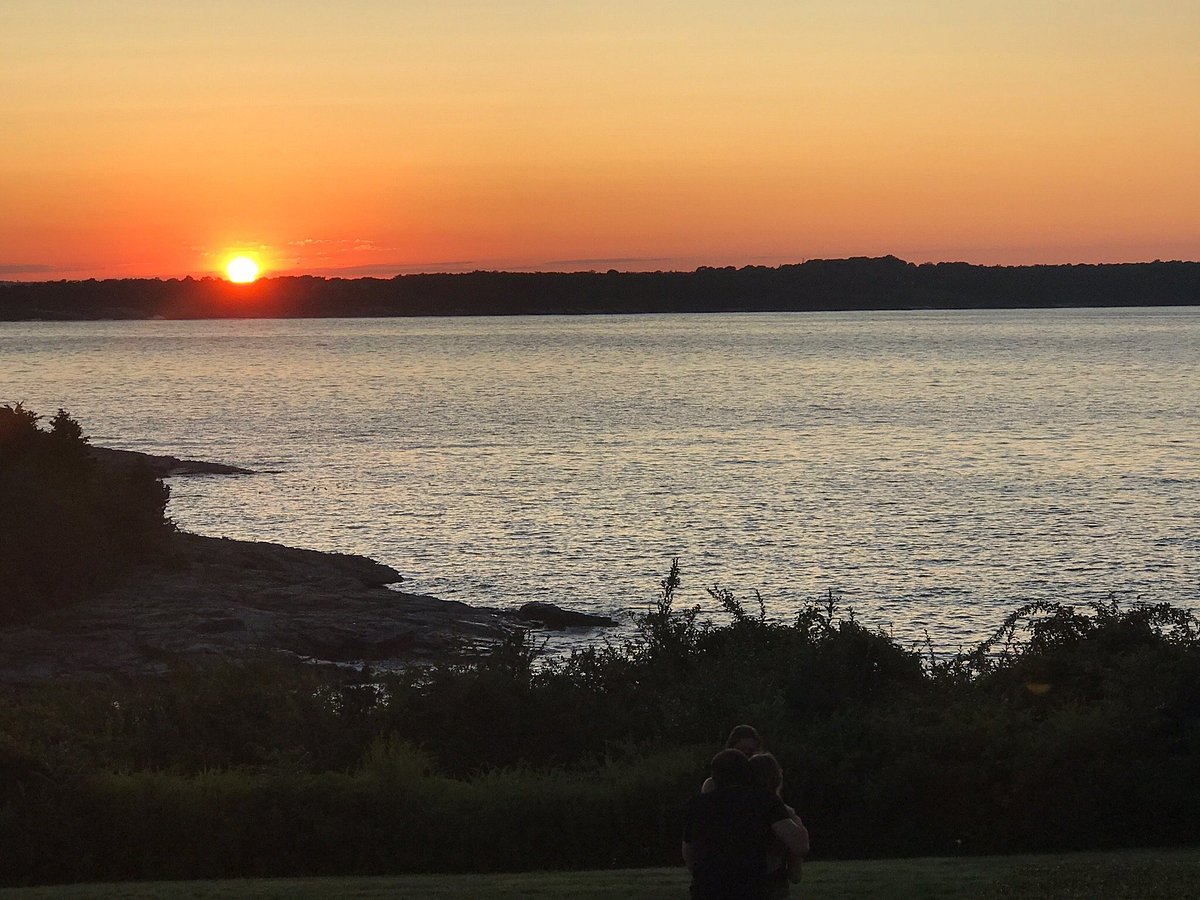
[69,526]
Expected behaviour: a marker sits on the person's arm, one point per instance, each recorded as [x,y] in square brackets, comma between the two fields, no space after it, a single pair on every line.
[708,787]
[689,834]
[794,837]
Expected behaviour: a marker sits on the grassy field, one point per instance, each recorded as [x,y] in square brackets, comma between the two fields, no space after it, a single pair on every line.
[1123,874]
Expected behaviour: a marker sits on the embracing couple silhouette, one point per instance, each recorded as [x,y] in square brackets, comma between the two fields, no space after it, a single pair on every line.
[740,840]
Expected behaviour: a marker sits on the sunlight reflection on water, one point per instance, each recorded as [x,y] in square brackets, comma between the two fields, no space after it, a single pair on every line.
[937,468]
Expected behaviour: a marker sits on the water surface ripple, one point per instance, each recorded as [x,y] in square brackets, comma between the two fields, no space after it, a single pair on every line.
[937,468]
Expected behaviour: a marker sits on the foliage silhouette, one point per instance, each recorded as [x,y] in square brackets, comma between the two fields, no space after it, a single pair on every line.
[68,526]
[1073,727]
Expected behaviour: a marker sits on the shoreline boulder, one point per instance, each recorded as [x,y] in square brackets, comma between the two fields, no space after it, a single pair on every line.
[555,618]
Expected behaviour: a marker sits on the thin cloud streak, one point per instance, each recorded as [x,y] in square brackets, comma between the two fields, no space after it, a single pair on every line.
[616,260]
[379,270]
[29,268]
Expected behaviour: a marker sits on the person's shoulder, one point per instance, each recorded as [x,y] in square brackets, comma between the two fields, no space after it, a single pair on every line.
[768,801]
[776,808]
[717,799]
[736,795]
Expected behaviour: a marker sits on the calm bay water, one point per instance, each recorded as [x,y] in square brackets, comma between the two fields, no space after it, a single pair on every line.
[937,468]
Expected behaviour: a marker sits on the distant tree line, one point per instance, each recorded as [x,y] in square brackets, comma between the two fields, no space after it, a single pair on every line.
[843,284]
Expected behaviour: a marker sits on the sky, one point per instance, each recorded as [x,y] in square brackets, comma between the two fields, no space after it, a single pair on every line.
[159,138]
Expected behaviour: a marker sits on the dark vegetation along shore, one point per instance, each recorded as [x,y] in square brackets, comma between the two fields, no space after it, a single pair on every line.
[1074,728]
[836,284]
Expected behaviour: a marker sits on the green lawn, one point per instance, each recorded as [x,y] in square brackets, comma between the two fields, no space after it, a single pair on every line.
[1126,875]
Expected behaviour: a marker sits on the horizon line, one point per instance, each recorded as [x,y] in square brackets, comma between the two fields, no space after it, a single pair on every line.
[388,272]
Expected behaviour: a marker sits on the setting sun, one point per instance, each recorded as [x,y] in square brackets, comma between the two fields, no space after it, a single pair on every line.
[241,269]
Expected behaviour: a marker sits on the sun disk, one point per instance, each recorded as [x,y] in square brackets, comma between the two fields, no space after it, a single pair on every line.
[241,269]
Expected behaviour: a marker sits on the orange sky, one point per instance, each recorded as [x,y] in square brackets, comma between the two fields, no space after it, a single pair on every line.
[156,138]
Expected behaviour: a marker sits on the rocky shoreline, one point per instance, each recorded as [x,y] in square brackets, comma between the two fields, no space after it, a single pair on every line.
[210,597]
[216,597]
[162,466]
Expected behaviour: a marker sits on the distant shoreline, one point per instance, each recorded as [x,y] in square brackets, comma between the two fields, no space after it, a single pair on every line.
[859,284]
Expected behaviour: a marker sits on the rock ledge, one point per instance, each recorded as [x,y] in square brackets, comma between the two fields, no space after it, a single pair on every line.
[216,596]
[162,466]
[221,597]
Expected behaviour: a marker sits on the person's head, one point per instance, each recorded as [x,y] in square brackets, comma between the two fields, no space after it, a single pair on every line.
[765,772]
[730,767]
[744,739]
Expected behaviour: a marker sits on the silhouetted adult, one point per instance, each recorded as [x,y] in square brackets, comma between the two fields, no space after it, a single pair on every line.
[783,868]
[729,831]
[744,738]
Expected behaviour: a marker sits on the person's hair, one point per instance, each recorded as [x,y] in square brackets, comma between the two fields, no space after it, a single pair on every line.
[730,767]
[765,771]
[743,733]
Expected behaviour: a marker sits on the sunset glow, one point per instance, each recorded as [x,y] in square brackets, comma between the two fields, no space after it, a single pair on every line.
[241,269]
[370,139]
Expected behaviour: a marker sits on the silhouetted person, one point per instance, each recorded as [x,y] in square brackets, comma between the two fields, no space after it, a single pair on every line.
[729,831]
[744,738]
[783,868]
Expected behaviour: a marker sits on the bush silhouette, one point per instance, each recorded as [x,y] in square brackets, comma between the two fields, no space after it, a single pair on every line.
[1076,727]
[68,525]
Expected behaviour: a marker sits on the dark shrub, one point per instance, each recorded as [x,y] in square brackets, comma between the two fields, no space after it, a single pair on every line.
[68,526]
[1077,727]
